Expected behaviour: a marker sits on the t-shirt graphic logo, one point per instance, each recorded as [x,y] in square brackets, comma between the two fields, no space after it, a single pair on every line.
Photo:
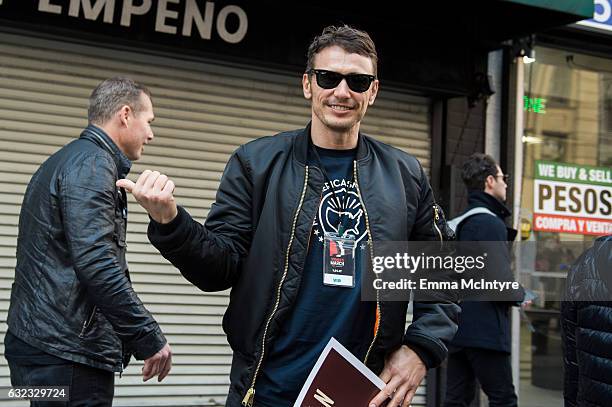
[351,221]
[338,208]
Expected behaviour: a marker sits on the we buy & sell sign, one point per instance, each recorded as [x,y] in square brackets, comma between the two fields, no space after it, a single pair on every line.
[571,198]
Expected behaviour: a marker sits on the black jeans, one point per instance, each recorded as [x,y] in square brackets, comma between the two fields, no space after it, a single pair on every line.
[89,387]
[493,371]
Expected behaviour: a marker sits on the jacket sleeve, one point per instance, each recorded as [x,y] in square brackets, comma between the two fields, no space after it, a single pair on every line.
[570,361]
[434,324]
[87,202]
[423,228]
[209,255]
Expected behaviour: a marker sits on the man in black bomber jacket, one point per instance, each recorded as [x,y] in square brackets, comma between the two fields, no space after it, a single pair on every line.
[74,319]
[279,198]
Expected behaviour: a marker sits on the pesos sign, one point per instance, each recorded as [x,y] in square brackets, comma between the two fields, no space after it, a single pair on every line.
[572,198]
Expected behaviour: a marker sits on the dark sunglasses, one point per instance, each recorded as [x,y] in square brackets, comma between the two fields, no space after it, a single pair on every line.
[357,82]
[506,177]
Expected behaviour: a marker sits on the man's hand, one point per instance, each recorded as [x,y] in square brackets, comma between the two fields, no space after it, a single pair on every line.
[158,365]
[403,373]
[153,191]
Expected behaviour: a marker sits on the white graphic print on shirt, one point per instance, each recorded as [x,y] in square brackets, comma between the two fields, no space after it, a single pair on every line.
[337,207]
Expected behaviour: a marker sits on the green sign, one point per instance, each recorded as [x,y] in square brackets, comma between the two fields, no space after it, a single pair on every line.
[581,174]
[535,105]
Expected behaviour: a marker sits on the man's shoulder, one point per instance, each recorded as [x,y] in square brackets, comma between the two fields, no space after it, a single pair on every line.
[81,151]
[390,152]
[486,226]
[265,150]
[280,140]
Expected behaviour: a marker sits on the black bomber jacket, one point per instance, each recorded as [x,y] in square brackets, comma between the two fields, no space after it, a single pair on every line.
[72,295]
[255,240]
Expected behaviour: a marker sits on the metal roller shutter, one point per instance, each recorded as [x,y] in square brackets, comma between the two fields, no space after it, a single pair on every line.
[204,111]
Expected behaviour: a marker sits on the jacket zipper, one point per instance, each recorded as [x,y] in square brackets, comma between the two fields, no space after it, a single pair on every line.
[367,219]
[250,395]
[88,322]
[436,219]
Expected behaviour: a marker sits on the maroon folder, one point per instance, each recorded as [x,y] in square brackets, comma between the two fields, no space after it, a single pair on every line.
[339,379]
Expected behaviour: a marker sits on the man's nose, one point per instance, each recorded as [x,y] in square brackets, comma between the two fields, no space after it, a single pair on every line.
[342,90]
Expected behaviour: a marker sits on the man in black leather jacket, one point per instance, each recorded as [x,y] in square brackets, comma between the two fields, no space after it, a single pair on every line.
[74,318]
[278,199]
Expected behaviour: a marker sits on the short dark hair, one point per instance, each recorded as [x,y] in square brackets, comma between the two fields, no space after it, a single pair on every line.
[108,97]
[348,38]
[476,170]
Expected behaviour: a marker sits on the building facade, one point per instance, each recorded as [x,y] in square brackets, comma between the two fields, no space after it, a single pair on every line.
[221,74]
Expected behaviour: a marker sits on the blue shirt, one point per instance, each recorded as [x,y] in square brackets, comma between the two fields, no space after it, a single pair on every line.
[321,311]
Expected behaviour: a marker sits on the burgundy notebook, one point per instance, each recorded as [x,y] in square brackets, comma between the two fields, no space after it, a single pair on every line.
[339,379]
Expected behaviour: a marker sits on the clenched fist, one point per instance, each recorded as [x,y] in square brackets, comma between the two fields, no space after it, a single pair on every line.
[153,191]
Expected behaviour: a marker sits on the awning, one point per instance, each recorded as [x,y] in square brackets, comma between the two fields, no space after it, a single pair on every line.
[579,8]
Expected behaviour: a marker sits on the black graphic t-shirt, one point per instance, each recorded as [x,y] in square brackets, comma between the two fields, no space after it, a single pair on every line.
[321,311]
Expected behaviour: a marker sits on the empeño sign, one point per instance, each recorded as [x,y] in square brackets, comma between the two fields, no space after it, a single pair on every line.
[571,198]
[172,17]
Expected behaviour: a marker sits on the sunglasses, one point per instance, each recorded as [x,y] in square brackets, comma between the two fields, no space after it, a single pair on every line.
[506,177]
[357,82]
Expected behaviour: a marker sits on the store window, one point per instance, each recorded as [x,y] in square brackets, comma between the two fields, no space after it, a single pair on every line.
[566,198]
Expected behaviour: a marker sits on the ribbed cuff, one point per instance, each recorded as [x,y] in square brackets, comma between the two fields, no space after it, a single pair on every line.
[164,229]
[423,348]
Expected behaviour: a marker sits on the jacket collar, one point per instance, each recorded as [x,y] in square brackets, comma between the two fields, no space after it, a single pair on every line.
[482,199]
[302,142]
[100,138]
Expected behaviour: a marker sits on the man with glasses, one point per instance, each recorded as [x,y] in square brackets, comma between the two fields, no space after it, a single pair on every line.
[481,348]
[281,200]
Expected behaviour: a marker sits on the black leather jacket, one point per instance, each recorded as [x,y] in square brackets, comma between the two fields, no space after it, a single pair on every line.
[587,328]
[256,237]
[72,295]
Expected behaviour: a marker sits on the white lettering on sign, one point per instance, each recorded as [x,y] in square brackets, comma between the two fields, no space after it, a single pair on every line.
[167,19]
[546,170]
[192,15]
[93,12]
[46,6]
[604,176]
[567,224]
[566,172]
[129,9]
[162,14]
[232,38]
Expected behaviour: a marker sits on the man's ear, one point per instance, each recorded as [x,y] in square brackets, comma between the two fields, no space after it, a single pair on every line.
[124,115]
[489,181]
[306,86]
[374,92]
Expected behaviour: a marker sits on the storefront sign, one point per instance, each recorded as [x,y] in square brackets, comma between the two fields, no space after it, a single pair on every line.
[571,198]
[184,18]
[257,34]
[602,16]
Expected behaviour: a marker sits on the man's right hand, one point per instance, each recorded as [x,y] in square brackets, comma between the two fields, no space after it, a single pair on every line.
[153,191]
[158,365]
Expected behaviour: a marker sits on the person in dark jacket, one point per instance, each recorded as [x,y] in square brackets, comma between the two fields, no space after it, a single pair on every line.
[279,199]
[586,325]
[74,318]
[481,348]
